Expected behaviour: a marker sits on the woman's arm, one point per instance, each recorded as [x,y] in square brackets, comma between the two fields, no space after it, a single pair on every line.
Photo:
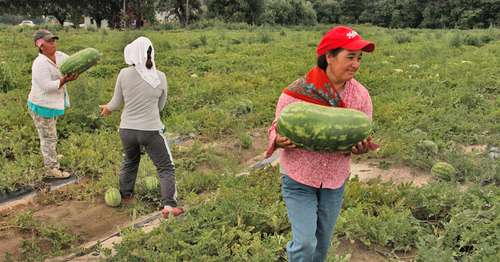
[116,101]
[367,144]
[274,139]
[163,98]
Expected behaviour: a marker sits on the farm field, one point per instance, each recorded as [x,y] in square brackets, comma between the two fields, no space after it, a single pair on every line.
[436,85]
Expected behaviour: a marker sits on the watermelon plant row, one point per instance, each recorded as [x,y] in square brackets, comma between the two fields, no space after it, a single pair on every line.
[245,219]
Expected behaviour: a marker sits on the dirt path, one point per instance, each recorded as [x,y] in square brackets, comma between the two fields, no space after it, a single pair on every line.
[370,169]
[86,220]
[358,252]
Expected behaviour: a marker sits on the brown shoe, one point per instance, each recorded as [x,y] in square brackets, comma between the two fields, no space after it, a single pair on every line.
[57,173]
[174,211]
[128,200]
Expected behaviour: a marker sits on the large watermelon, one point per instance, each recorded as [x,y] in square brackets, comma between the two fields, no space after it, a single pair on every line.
[322,128]
[112,197]
[443,171]
[80,61]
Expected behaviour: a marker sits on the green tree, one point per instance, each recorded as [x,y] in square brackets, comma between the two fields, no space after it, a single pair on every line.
[248,11]
[277,12]
[490,12]
[407,13]
[60,9]
[110,10]
[436,14]
[378,12]
[294,12]
[350,10]
[141,11]
[327,11]
[303,13]
[178,9]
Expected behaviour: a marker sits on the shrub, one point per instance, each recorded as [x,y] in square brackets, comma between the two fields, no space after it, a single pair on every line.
[265,37]
[402,38]
[245,140]
[472,40]
[456,40]
[486,38]
[7,77]
[204,40]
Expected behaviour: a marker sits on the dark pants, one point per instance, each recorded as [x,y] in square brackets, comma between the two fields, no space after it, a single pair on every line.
[157,148]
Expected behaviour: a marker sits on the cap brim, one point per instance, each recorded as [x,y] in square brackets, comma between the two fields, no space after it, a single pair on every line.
[360,45]
[49,37]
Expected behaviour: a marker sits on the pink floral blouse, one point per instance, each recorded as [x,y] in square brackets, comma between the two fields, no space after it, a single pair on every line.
[319,169]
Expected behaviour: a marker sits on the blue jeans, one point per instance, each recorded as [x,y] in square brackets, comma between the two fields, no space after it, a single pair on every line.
[312,213]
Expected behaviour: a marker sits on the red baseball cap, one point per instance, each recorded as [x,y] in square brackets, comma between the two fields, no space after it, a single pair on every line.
[343,37]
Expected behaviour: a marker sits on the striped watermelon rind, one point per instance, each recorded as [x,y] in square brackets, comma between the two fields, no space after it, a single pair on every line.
[151,183]
[80,61]
[321,128]
[112,197]
[443,171]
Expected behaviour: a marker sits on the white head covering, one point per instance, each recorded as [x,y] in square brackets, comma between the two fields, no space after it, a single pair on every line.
[136,53]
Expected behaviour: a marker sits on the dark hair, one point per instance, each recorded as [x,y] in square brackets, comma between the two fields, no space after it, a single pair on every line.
[149,63]
[322,63]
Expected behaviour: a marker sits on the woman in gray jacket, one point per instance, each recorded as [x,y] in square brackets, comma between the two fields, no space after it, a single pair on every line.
[143,90]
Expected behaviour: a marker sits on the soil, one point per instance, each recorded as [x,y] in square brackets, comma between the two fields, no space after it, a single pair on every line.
[373,169]
[259,144]
[87,220]
[11,241]
[360,253]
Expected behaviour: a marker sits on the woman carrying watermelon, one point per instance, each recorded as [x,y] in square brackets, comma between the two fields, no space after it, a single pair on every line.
[313,182]
[143,91]
[48,98]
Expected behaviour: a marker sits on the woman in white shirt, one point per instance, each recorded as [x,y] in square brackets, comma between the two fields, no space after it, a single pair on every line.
[48,98]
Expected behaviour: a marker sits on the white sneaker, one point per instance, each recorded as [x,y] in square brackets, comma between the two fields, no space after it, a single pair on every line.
[57,173]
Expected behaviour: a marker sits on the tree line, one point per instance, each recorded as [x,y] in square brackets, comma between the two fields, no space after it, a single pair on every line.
[386,13]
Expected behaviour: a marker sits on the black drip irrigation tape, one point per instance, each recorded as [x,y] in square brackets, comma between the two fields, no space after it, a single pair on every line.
[58,183]
[16,194]
[28,190]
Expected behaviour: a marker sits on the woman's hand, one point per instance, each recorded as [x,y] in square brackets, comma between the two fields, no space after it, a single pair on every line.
[105,110]
[360,148]
[71,77]
[284,142]
[364,146]
[67,78]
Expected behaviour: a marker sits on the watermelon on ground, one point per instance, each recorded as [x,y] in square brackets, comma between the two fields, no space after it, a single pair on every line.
[151,183]
[112,197]
[443,171]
